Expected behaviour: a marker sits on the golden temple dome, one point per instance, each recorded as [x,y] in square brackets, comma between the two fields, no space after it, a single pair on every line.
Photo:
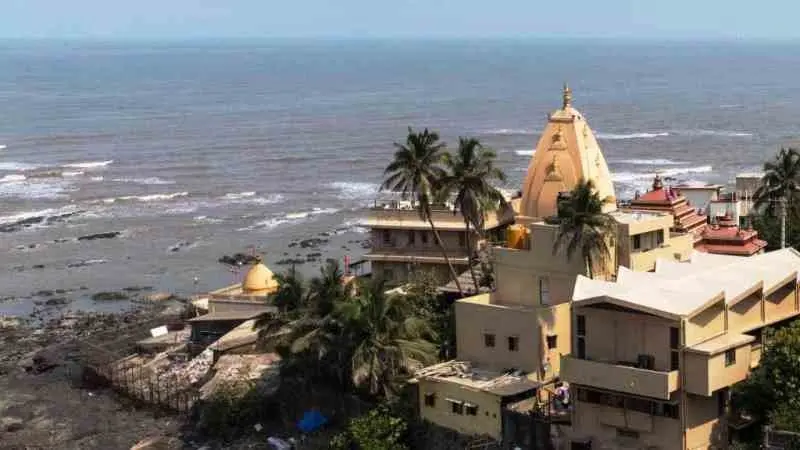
[259,280]
[568,135]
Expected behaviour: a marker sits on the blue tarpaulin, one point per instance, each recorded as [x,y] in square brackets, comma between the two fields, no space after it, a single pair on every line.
[311,421]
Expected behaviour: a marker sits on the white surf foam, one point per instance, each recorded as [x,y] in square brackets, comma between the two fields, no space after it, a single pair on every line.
[34,189]
[147,181]
[12,178]
[510,131]
[89,164]
[3,147]
[625,136]
[649,162]
[288,218]
[638,176]
[720,133]
[525,152]
[239,195]
[145,198]
[46,213]
[251,198]
[74,173]
[355,190]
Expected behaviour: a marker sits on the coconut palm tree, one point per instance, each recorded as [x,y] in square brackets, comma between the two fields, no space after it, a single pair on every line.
[779,185]
[389,341]
[417,170]
[584,227]
[469,173]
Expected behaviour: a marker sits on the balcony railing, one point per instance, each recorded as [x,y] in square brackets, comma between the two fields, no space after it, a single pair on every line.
[619,377]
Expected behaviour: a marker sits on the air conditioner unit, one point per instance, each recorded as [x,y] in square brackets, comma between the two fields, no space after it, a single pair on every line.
[646,362]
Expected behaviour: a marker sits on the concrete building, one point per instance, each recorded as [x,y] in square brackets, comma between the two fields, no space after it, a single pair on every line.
[402,243]
[670,200]
[654,355]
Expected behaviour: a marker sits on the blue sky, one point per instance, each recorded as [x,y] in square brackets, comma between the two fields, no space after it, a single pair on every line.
[660,19]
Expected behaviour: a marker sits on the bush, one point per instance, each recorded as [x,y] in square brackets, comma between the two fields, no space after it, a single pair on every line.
[376,430]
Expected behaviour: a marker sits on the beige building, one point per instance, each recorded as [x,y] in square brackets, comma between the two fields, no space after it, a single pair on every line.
[654,355]
[402,243]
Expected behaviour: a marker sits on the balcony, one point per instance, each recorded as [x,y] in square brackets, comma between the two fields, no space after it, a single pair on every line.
[430,254]
[619,377]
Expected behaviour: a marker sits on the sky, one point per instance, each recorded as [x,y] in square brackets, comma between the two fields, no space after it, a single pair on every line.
[182,19]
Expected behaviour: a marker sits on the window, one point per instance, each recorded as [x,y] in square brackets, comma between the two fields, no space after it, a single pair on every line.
[462,239]
[630,403]
[627,433]
[552,342]
[388,274]
[472,410]
[544,291]
[387,237]
[730,357]
[488,339]
[659,237]
[430,399]
[423,237]
[674,347]
[637,242]
[411,237]
[513,343]
[581,337]
[456,407]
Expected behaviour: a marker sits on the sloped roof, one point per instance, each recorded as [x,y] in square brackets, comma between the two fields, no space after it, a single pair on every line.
[684,289]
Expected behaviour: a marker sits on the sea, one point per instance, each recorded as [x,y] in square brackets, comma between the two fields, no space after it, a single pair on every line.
[177,153]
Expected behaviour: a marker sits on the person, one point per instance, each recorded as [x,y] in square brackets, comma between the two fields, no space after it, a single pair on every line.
[562,394]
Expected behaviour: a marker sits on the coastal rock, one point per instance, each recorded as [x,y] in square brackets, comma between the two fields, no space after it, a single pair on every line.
[11,424]
[312,243]
[158,443]
[238,259]
[179,246]
[106,235]
[85,263]
[109,296]
[291,261]
[158,297]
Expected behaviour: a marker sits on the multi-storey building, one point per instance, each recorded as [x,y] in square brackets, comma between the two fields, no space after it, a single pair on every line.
[654,355]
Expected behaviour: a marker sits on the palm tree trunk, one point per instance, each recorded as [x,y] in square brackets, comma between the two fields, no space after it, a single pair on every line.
[589,266]
[783,219]
[439,242]
[469,257]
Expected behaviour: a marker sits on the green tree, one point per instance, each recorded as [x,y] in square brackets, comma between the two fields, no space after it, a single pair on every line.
[779,187]
[585,228]
[379,429]
[417,170]
[773,389]
[469,175]
[389,341]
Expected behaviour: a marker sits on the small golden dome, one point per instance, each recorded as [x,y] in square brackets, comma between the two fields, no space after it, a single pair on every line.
[259,280]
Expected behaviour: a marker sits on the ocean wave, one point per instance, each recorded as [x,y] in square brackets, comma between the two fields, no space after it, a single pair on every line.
[28,189]
[295,217]
[12,178]
[146,181]
[11,166]
[145,198]
[3,147]
[525,152]
[625,136]
[96,179]
[671,173]
[239,195]
[511,132]
[355,190]
[74,173]
[206,219]
[42,217]
[649,162]
[89,164]
[719,133]
[352,226]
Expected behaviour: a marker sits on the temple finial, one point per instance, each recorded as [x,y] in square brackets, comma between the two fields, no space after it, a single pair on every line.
[657,183]
[567,96]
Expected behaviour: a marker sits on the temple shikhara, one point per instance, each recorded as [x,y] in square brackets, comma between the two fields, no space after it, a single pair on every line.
[639,351]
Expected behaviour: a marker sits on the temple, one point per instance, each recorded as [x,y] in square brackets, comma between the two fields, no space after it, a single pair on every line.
[648,338]
[566,153]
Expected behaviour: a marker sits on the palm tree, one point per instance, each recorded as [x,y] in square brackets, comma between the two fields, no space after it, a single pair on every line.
[584,227]
[417,170]
[780,185]
[389,341]
[470,171]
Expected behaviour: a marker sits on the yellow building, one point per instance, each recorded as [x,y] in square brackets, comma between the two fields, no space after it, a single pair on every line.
[402,243]
[523,328]
[654,355]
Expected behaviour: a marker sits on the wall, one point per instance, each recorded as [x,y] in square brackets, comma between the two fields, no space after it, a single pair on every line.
[601,422]
[707,373]
[645,257]
[618,335]
[780,303]
[487,421]
[517,272]
[400,239]
[746,314]
[702,422]
[215,305]
[706,324]
[401,272]
[700,198]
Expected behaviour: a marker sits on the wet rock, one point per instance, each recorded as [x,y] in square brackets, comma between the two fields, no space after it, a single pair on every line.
[37,266]
[158,443]
[158,297]
[55,301]
[238,259]
[291,261]
[179,246]
[109,296]
[11,424]
[85,263]
[106,235]
[44,293]
[137,288]
[293,244]
[312,243]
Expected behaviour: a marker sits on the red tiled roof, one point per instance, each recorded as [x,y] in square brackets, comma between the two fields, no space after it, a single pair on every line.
[748,249]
